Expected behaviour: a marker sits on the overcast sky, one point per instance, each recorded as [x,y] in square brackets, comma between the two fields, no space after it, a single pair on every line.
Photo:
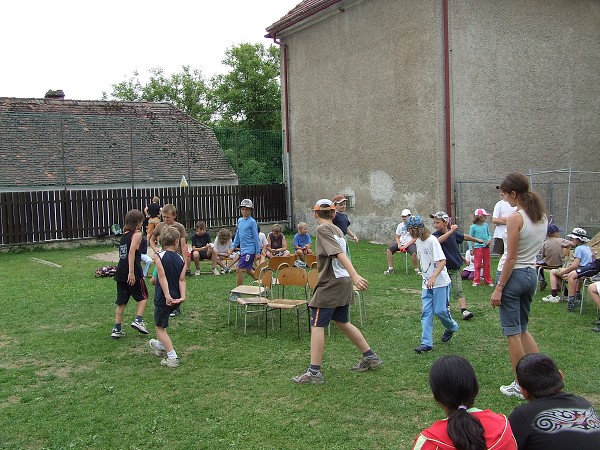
[83,47]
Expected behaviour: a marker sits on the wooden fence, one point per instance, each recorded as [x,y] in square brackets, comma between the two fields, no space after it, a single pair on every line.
[75,214]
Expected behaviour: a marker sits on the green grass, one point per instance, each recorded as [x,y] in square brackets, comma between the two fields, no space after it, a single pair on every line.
[64,383]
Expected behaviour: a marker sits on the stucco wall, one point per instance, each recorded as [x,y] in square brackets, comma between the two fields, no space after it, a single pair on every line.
[364,108]
[366,103]
[525,95]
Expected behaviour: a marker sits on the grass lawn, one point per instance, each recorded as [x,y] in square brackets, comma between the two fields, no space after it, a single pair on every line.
[64,383]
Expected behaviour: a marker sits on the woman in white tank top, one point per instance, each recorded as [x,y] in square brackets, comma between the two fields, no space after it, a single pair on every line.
[526,230]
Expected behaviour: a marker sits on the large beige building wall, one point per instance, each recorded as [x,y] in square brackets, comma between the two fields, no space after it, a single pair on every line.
[526,96]
[365,112]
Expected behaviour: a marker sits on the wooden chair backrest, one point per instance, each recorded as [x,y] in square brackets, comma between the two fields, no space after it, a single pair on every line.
[292,276]
[276,262]
[310,260]
[313,277]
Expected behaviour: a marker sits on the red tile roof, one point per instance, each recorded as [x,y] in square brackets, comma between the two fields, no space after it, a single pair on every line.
[301,11]
[105,143]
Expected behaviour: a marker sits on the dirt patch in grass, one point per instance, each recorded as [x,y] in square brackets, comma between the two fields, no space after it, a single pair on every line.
[113,256]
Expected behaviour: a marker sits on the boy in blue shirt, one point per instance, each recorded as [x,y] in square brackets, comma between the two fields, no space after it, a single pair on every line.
[302,242]
[246,239]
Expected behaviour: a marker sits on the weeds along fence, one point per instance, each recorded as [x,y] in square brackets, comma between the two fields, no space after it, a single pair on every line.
[27,217]
[571,197]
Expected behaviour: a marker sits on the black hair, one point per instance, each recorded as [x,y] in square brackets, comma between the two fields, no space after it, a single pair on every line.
[538,374]
[454,385]
[532,203]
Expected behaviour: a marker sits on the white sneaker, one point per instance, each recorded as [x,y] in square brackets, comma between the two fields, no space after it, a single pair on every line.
[389,271]
[466,314]
[170,362]
[140,326]
[197,272]
[551,299]
[215,271]
[157,351]
[512,390]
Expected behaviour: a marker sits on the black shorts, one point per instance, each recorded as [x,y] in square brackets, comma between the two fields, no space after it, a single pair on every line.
[203,254]
[589,270]
[161,315]
[410,249]
[320,317]
[138,291]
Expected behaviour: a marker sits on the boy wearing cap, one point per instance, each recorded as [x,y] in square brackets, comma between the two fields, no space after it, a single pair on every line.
[246,239]
[404,243]
[582,257]
[332,296]
[481,252]
[435,293]
[341,218]
[554,251]
[449,239]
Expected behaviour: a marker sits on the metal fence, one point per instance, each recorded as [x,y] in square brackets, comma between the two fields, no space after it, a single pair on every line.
[570,197]
[27,217]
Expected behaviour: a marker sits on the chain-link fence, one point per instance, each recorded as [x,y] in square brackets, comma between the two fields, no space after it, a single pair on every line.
[570,197]
[255,155]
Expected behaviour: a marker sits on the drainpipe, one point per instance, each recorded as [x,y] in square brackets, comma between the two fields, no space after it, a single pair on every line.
[448,152]
[284,77]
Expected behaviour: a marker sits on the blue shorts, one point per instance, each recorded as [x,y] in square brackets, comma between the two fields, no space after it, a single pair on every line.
[246,261]
[516,300]
[320,317]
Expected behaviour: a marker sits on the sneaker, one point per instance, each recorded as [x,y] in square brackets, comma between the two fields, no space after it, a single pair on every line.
[140,326]
[157,351]
[466,315]
[215,271]
[543,285]
[226,270]
[175,313]
[309,377]
[233,297]
[512,390]
[475,284]
[595,278]
[423,348]
[170,362]
[551,298]
[389,271]
[578,297]
[447,335]
[596,329]
[491,284]
[418,272]
[571,305]
[367,362]
[197,272]
[597,321]
[117,333]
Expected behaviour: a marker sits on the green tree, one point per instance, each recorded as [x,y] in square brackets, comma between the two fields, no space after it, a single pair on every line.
[187,90]
[249,95]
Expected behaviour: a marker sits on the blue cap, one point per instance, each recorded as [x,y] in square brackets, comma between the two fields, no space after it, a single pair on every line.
[415,222]
[552,229]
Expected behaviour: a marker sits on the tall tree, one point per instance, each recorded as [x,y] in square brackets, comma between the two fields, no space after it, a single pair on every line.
[249,95]
[188,90]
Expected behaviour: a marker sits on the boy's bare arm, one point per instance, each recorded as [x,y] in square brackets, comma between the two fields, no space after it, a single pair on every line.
[472,239]
[162,279]
[135,245]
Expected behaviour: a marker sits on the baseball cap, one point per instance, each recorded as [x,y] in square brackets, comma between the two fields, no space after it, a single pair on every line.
[338,199]
[578,233]
[552,229]
[324,205]
[246,203]
[405,213]
[481,212]
[440,215]
[415,222]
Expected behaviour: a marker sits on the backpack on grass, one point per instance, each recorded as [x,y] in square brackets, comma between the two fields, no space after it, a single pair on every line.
[106,271]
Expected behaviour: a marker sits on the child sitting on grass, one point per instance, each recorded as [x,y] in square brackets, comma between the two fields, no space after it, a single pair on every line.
[169,292]
[435,293]
[226,256]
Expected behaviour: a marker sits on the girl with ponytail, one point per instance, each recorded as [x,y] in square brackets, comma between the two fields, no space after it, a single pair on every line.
[454,387]
[516,277]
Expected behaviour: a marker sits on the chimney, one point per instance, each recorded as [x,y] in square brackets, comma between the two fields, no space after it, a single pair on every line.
[58,94]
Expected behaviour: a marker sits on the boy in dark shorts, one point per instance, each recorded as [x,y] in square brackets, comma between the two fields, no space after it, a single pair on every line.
[169,292]
[246,239]
[332,296]
[129,275]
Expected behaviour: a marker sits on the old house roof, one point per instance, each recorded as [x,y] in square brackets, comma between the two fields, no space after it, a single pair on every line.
[81,143]
[300,12]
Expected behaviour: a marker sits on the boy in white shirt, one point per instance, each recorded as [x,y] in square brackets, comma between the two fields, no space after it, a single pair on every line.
[435,293]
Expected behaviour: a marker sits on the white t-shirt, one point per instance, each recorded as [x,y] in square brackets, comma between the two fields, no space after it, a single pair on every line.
[430,253]
[502,209]
[262,240]
[471,263]
[403,233]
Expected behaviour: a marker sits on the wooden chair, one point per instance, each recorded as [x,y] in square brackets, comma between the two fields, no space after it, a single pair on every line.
[311,261]
[253,290]
[276,263]
[256,304]
[290,278]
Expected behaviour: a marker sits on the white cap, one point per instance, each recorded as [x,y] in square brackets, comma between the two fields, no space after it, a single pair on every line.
[405,212]
[247,203]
